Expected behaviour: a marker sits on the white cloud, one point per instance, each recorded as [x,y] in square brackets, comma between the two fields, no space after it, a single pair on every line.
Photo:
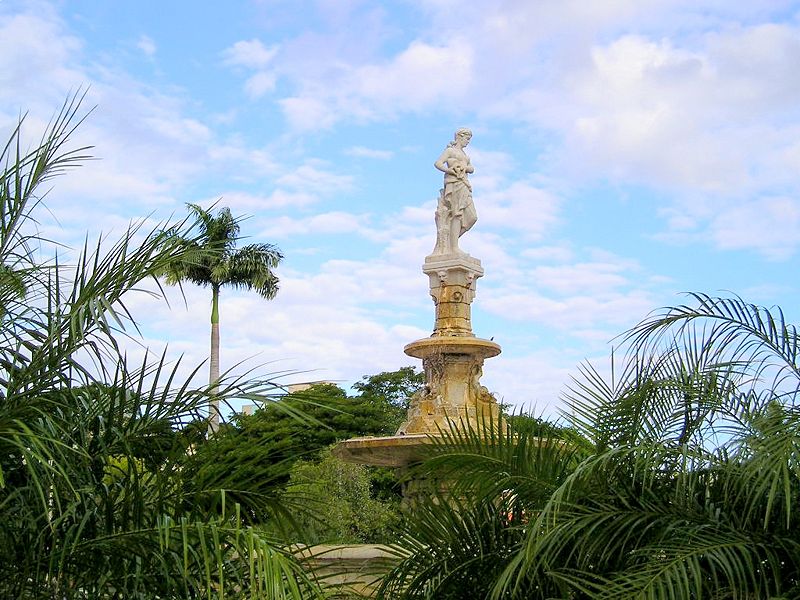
[591,300]
[317,321]
[37,67]
[298,187]
[146,45]
[180,130]
[259,161]
[700,100]
[647,111]
[253,54]
[580,277]
[520,206]
[548,253]
[769,225]
[282,199]
[705,113]
[335,222]
[244,202]
[308,113]
[260,84]
[249,53]
[312,178]
[419,77]
[538,390]
[712,119]
[362,152]
[615,310]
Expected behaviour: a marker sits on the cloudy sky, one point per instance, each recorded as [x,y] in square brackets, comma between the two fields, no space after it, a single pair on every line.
[625,151]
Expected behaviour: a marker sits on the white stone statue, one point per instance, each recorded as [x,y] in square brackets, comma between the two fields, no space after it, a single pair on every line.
[455,213]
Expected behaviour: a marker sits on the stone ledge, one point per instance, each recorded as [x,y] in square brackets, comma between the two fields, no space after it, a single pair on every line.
[349,570]
[434,262]
[442,344]
[389,451]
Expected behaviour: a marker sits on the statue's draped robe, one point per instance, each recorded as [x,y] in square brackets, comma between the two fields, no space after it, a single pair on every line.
[455,202]
[458,198]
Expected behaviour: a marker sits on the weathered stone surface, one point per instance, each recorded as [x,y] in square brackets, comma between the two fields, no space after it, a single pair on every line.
[453,393]
[455,212]
[390,451]
[452,279]
[452,358]
[348,571]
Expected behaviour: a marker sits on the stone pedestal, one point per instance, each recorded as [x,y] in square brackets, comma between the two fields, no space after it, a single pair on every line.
[352,571]
[452,358]
[453,281]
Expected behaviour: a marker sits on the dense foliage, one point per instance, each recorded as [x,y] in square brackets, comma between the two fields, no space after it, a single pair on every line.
[339,503]
[91,497]
[677,477]
[483,488]
[252,456]
[391,392]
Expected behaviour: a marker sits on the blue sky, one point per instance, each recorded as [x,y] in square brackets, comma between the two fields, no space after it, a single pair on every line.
[625,151]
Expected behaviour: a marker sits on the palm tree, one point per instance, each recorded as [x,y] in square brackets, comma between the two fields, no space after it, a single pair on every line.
[212,259]
[87,508]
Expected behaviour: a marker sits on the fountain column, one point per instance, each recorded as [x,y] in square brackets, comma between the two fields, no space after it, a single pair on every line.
[452,356]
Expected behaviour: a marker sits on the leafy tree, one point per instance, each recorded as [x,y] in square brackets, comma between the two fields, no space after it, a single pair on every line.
[693,493]
[82,513]
[394,387]
[255,453]
[539,427]
[252,457]
[391,390]
[338,503]
[332,416]
[212,259]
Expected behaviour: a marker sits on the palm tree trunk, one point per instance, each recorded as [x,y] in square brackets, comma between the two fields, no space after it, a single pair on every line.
[213,378]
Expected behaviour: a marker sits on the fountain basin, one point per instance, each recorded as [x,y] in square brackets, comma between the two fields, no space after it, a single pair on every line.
[395,451]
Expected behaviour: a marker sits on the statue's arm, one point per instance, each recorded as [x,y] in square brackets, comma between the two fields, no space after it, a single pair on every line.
[441,163]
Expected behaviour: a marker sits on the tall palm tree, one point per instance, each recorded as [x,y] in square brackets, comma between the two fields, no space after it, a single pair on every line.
[212,259]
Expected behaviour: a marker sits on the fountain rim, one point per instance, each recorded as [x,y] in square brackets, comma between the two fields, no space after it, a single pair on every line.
[472,346]
[384,451]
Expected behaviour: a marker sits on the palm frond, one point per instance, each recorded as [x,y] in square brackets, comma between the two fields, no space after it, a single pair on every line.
[739,333]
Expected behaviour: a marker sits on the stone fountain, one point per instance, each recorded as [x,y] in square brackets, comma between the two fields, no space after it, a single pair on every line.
[452,356]
[453,361]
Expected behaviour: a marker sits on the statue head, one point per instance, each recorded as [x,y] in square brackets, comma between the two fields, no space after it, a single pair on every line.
[463,132]
[462,135]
